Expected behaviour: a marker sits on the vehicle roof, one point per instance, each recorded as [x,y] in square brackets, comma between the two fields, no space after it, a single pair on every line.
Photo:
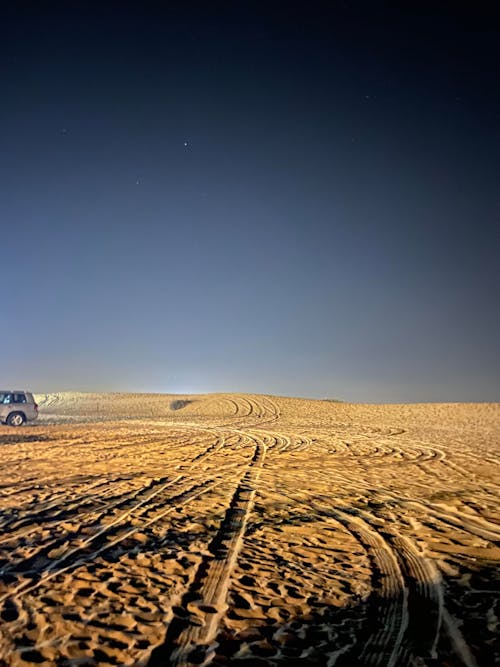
[14,391]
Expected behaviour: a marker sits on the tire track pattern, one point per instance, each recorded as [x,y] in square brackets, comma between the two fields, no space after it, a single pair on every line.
[406,609]
[190,635]
[189,534]
[118,520]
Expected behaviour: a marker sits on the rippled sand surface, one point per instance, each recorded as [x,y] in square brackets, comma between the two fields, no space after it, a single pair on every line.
[250,530]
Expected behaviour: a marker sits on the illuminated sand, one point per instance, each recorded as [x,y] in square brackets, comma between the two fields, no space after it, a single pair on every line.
[249,530]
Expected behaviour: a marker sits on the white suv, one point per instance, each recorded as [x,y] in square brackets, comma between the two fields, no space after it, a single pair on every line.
[16,407]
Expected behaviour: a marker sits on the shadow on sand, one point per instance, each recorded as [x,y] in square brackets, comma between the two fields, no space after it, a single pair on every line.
[450,623]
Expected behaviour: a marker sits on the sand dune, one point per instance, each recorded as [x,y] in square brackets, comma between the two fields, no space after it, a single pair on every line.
[249,530]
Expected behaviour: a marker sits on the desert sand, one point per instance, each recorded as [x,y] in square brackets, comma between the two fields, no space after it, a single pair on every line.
[249,530]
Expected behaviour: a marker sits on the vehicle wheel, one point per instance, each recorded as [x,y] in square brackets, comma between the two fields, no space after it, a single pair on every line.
[16,419]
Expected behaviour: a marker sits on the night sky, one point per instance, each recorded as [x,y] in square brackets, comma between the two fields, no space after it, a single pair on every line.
[287,198]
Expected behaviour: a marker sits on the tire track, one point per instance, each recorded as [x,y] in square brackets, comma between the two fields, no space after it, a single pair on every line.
[190,636]
[474,525]
[67,513]
[175,445]
[139,520]
[84,552]
[388,604]
[73,513]
[50,555]
[388,607]
[347,488]
[366,448]
[100,442]
[425,599]
[407,606]
[427,605]
[264,409]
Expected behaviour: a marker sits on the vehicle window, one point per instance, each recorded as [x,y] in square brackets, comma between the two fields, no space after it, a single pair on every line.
[7,398]
[2,396]
[19,398]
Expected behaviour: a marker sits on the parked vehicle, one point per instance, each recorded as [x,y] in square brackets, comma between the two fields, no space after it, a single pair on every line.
[17,407]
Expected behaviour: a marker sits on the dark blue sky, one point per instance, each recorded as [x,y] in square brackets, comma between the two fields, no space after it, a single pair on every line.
[290,198]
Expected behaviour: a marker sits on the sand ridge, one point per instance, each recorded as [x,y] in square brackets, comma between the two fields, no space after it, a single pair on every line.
[249,530]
